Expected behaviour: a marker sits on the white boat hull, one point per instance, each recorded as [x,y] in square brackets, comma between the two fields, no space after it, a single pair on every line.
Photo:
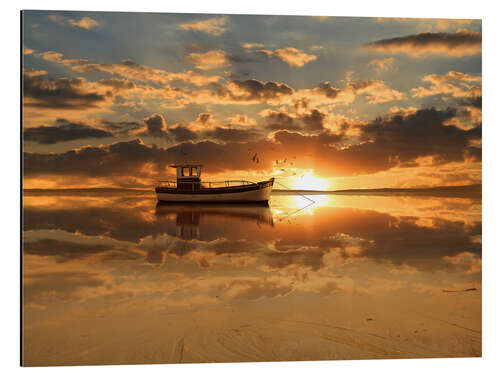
[243,196]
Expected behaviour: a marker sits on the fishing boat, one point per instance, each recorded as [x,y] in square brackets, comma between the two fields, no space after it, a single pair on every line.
[189,188]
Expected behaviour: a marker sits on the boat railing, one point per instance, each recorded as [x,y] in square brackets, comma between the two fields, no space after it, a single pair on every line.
[205,185]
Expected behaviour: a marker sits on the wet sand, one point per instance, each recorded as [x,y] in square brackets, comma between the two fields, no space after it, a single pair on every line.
[229,334]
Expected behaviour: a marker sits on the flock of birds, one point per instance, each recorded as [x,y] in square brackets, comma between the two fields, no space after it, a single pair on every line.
[255,159]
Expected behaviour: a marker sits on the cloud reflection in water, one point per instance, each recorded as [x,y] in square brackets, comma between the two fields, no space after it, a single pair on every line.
[125,262]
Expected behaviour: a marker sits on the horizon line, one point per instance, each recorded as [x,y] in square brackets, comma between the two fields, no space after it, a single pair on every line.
[476,187]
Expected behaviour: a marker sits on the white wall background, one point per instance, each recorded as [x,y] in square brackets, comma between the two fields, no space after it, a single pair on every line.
[10,161]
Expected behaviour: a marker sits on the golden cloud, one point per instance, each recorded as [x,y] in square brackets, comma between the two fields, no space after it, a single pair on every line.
[292,56]
[208,60]
[382,65]
[214,26]
[131,70]
[252,45]
[85,23]
[454,84]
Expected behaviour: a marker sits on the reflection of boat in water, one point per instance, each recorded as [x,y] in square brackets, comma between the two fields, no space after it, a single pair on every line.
[189,188]
[189,217]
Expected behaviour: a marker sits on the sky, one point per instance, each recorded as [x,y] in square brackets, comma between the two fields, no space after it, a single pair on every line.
[112,99]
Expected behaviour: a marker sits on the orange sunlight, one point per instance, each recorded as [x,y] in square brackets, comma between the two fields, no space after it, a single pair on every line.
[308,181]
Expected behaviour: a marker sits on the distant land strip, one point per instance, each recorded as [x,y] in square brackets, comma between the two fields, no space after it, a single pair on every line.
[466,191]
[474,190]
[87,191]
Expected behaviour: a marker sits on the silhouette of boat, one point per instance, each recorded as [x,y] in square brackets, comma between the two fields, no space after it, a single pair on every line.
[189,188]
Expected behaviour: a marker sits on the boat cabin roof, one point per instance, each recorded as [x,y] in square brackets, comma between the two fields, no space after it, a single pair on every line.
[186,165]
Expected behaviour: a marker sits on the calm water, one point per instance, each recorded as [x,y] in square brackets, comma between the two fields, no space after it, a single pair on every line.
[112,279]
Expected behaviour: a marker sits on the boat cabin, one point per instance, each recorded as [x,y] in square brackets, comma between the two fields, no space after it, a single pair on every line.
[188,176]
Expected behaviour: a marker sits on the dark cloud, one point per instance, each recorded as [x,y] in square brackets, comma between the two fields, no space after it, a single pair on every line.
[281,121]
[423,247]
[453,178]
[263,90]
[374,91]
[473,101]
[116,159]
[231,134]
[48,286]
[64,131]
[309,258]
[117,83]
[477,102]
[120,127]
[223,246]
[112,68]
[378,236]
[64,250]
[460,43]
[422,133]
[313,120]
[61,93]
[252,90]
[114,222]
[327,89]
[309,121]
[203,118]
[154,126]
[181,133]
[128,158]
[386,143]
[309,143]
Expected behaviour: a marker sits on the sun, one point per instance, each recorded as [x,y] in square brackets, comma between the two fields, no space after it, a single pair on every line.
[308,181]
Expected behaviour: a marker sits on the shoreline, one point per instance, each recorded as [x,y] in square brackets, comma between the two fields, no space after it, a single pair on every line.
[465,191]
